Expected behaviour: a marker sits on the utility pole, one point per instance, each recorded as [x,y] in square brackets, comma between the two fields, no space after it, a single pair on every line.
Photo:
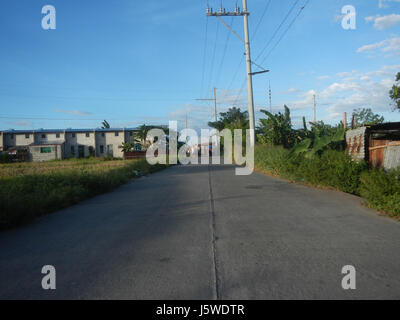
[270,98]
[215,103]
[315,110]
[245,14]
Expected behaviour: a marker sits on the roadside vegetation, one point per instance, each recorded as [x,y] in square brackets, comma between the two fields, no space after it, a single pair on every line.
[29,190]
[315,155]
[334,169]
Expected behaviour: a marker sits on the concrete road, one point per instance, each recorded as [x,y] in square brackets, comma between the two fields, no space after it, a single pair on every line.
[200,232]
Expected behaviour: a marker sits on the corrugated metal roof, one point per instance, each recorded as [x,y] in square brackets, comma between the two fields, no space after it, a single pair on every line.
[68,130]
[48,143]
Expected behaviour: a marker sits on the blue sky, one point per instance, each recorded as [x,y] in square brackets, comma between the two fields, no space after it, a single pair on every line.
[135,62]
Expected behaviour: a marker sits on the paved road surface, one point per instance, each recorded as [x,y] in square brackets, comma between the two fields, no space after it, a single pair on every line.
[200,232]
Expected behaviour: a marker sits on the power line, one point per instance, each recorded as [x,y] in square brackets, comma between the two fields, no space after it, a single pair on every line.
[287,29]
[262,17]
[204,56]
[277,30]
[235,74]
[91,98]
[239,93]
[213,57]
[223,55]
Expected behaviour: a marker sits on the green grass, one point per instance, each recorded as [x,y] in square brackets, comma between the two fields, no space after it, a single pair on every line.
[335,169]
[29,190]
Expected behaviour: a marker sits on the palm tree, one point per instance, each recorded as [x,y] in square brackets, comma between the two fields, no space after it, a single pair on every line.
[105,125]
[141,135]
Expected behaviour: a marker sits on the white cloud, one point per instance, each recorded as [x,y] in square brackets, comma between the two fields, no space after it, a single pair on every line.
[382,3]
[22,123]
[370,90]
[290,90]
[350,91]
[73,112]
[384,22]
[323,77]
[388,46]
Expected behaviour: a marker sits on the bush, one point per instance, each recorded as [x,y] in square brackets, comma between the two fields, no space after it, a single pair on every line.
[4,157]
[273,159]
[382,190]
[335,169]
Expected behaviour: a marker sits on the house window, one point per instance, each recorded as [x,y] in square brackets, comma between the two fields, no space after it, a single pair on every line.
[43,136]
[101,149]
[116,134]
[102,134]
[131,133]
[45,150]
[87,134]
[73,135]
[57,135]
[27,136]
[72,149]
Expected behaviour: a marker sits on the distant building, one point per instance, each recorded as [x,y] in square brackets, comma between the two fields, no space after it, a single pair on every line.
[43,144]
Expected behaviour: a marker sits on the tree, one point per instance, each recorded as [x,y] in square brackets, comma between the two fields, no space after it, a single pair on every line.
[321,137]
[105,125]
[394,93]
[365,116]
[277,129]
[126,147]
[232,119]
[141,135]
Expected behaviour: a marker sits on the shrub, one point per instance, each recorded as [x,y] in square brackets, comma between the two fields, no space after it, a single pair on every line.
[382,190]
[335,169]
[272,159]
[4,157]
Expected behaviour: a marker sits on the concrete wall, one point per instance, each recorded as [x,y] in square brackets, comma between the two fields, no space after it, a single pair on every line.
[22,140]
[79,139]
[46,137]
[36,155]
[9,140]
[111,143]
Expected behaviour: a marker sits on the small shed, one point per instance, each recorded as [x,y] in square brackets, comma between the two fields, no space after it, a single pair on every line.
[377,144]
[46,151]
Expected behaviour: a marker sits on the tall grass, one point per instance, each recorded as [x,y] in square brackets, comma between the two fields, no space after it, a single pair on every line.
[335,169]
[28,190]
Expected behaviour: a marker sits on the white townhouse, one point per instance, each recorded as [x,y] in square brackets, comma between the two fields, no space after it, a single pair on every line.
[45,144]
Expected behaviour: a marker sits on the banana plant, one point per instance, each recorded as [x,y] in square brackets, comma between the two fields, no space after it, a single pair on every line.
[320,137]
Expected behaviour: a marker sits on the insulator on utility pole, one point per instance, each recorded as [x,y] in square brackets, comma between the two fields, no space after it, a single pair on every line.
[245,14]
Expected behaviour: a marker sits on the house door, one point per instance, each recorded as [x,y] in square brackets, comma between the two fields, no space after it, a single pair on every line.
[81,151]
[110,150]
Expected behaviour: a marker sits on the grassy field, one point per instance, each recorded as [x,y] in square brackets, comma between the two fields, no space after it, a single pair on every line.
[29,190]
